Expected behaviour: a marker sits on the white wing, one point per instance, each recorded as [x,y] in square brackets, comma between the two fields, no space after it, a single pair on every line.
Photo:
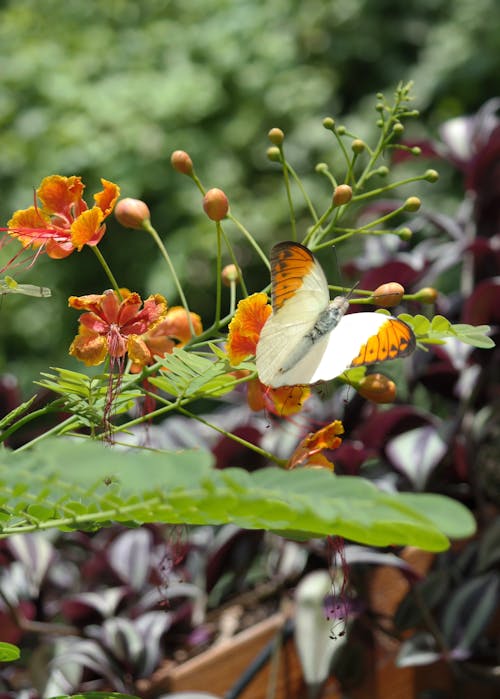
[300,294]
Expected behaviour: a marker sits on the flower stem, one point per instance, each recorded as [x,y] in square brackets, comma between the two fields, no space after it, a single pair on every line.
[107,270]
[152,231]
[235,438]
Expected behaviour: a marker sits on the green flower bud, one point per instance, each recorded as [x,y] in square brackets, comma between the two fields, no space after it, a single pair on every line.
[358,146]
[274,154]
[276,136]
[412,204]
[431,175]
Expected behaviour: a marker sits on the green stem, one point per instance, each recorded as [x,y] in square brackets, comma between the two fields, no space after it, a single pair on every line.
[73,419]
[293,223]
[306,196]
[235,263]
[107,270]
[235,438]
[218,273]
[152,231]
[250,239]
[386,188]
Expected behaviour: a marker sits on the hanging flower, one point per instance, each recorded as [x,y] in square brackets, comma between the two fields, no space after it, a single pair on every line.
[64,222]
[244,333]
[310,451]
[110,326]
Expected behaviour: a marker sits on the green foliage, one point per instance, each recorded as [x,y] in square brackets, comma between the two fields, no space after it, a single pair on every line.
[436,330]
[109,90]
[67,485]
[8,652]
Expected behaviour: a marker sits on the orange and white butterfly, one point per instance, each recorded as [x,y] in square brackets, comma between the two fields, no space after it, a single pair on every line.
[307,338]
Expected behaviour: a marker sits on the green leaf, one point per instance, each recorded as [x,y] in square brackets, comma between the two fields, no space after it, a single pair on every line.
[188,374]
[448,515]
[72,484]
[439,329]
[8,652]
[16,413]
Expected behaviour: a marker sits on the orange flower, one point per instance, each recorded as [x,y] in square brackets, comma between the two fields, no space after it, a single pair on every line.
[244,332]
[110,326]
[64,222]
[309,451]
[160,339]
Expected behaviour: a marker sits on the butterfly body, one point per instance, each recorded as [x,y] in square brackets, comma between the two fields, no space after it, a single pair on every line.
[308,338]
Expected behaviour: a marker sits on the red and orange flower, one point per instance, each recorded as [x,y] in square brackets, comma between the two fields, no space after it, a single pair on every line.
[310,450]
[64,222]
[244,333]
[115,327]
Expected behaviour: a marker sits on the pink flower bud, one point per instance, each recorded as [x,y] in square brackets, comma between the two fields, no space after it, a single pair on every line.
[215,204]
[342,194]
[132,213]
[388,295]
[182,162]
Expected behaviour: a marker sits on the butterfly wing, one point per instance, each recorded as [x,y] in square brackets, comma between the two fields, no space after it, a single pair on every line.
[361,339]
[299,293]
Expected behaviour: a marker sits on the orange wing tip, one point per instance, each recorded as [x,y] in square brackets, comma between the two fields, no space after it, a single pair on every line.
[394,339]
[290,263]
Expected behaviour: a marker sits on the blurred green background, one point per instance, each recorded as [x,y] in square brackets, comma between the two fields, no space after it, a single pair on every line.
[110,89]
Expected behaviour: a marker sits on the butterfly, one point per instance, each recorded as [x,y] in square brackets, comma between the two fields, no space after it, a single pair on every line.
[308,338]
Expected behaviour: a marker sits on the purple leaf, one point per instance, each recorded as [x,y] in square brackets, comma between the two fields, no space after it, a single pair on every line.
[433,590]
[35,552]
[151,626]
[417,453]
[470,610]
[103,602]
[420,649]
[130,556]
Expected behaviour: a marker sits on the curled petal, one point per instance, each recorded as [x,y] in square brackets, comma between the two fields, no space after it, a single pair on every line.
[58,194]
[176,325]
[154,309]
[308,452]
[256,395]
[59,250]
[107,199]
[29,226]
[287,400]
[89,347]
[89,302]
[283,401]
[138,351]
[87,228]
[246,326]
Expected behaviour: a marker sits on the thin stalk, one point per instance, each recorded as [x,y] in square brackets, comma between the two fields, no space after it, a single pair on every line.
[250,239]
[107,270]
[306,196]
[235,438]
[293,222]
[152,231]
[218,273]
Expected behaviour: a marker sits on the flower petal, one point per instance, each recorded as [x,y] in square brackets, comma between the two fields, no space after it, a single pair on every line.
[30,226]
[89,348]
[87,228]
[245,327]
[58,194]
[106,199]
[308,452]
